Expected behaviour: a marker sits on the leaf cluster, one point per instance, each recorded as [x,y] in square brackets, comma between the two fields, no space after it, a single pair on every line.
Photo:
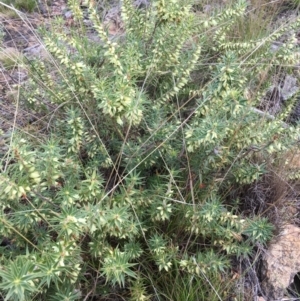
[129,182]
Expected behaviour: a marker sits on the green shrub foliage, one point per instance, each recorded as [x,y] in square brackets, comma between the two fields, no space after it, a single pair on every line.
[146,132]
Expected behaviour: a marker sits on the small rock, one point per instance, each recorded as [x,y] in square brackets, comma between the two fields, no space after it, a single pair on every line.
[289,87]
[68,14]
[281,263]
[37,51]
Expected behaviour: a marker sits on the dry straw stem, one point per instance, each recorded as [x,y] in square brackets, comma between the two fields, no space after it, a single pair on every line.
[10,57]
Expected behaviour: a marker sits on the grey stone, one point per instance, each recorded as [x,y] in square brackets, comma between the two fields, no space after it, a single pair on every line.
[281,263]
[289,87]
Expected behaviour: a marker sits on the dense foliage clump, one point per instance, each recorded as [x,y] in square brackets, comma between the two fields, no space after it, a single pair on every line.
[131,182]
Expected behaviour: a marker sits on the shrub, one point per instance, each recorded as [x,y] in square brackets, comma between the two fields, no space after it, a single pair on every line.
[129,181]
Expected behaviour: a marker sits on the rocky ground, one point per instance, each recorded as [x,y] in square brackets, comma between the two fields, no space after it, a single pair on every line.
[20,42]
